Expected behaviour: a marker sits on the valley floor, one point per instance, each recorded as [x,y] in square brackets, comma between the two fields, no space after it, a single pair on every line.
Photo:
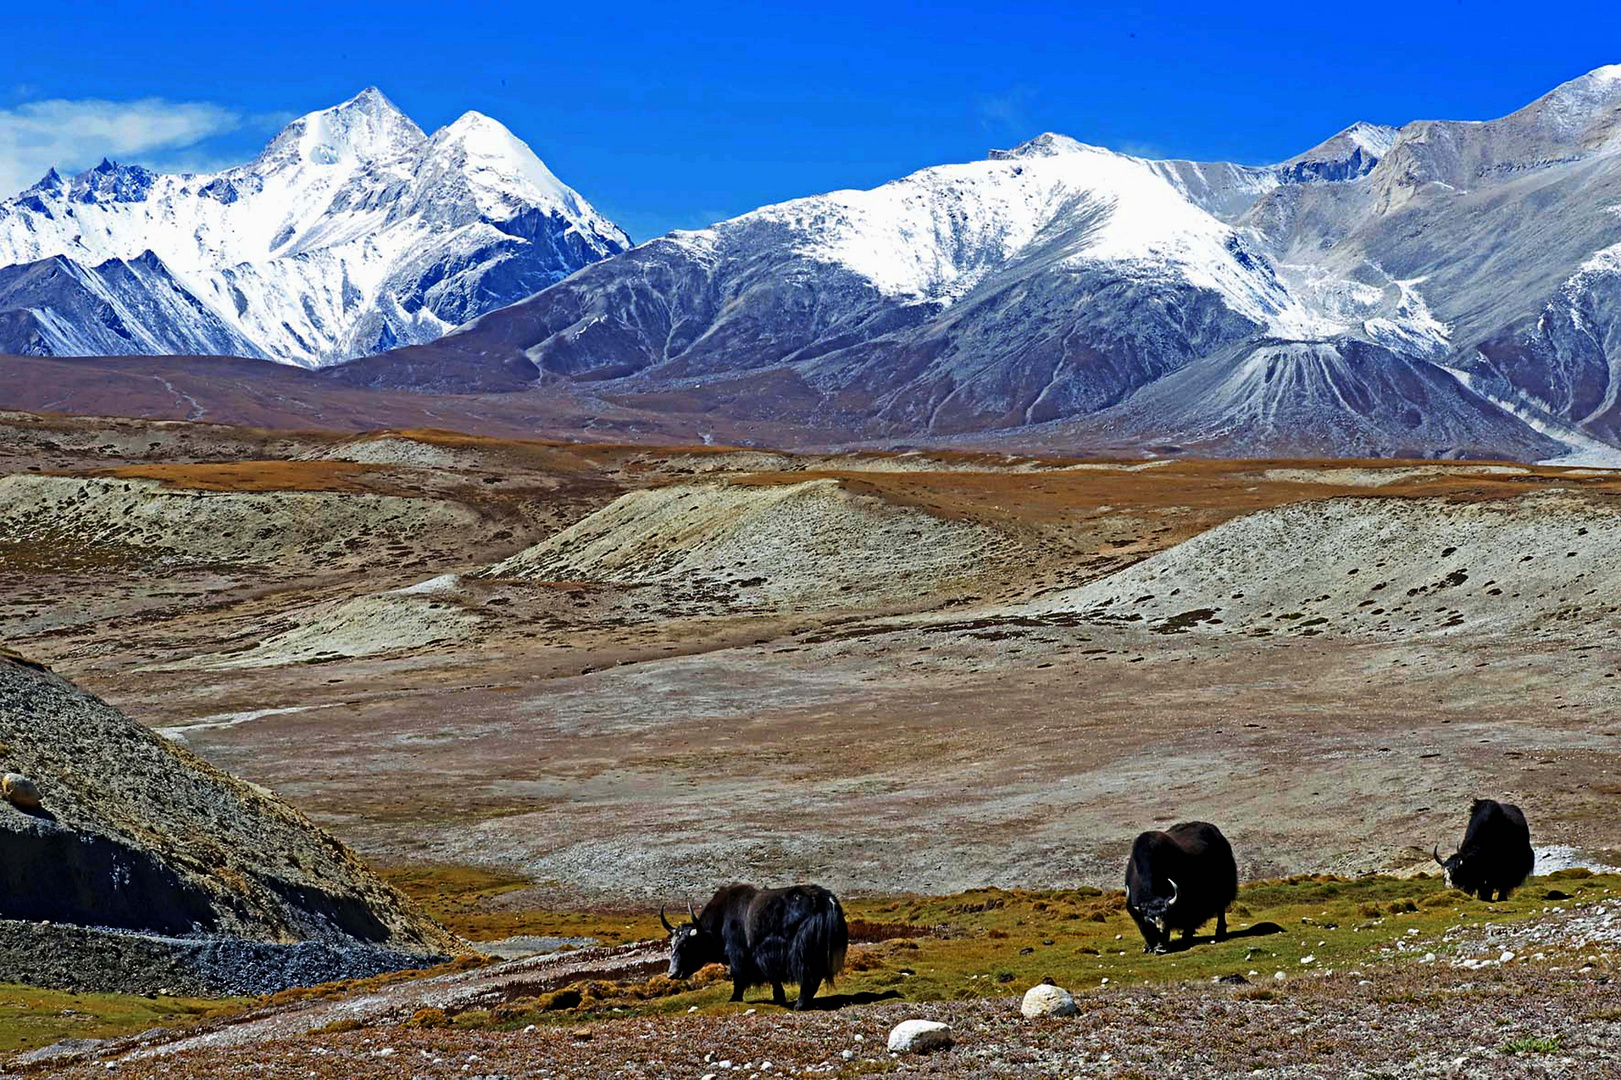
[609,677]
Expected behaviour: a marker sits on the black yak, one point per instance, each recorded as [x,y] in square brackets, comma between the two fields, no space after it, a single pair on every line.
[1180,879]
[774,936]
[1496,853]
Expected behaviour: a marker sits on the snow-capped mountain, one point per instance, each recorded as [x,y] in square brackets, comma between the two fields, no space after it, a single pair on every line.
[351,233]
[1442,288]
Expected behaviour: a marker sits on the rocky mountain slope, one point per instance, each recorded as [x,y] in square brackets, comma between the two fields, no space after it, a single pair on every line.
[351,233]
[1445,288]
[133,832]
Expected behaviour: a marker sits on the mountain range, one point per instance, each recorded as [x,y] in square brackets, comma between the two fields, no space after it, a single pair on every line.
[351,233]
[1445,288]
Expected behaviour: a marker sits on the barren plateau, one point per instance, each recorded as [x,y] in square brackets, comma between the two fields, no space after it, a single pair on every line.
[625,672]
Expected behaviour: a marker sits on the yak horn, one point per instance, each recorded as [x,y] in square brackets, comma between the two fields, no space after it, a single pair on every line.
[693,915]
[1436,851]
[665,921]
[1175,892]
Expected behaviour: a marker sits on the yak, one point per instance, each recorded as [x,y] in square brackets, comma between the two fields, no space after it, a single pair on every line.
[775,936]
[1178,880]
[1496,853]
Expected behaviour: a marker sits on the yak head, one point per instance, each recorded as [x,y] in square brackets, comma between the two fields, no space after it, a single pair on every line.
[1461,870]
[691,947]
[1157,909]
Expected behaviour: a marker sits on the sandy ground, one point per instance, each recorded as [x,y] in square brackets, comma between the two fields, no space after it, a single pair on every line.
[520,655]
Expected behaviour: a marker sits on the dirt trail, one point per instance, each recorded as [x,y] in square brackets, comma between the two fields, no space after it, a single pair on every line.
[455,992]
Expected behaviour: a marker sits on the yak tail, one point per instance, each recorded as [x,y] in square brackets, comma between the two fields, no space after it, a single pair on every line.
[823,941]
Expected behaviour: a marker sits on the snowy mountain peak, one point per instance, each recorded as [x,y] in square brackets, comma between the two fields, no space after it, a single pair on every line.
[351,232]
[1376,139]
[1585,105]
[1047,144]
[366,128]
[503,173]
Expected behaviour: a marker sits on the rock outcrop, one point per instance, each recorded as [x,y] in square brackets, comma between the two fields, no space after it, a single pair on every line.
[133,832]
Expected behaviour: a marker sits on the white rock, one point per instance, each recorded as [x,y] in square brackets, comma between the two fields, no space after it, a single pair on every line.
[848,1055]
[1047,1000]
[919,1036]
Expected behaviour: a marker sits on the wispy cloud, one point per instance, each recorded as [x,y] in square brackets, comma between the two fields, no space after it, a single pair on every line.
[1006,114]
[36,135]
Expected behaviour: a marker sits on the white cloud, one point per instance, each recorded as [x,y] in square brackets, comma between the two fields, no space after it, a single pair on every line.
[74,135]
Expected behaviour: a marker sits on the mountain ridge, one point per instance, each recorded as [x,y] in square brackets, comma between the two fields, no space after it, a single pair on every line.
[353,231]
[1439,289]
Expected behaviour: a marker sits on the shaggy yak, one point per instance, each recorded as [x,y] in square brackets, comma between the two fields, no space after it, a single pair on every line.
[776,936]
[1496,853]
[1180,879]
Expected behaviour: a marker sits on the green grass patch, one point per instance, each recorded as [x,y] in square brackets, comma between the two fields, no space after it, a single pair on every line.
[1532,1045]
[31,1018]
[999,942]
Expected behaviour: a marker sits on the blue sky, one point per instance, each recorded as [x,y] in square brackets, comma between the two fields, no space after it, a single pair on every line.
[671,115]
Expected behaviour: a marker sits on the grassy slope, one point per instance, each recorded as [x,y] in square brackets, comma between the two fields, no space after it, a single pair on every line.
[30,1017]
[984,943]
[994,942]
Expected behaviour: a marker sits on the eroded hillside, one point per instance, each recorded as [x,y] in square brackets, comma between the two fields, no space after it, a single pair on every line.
[630,671]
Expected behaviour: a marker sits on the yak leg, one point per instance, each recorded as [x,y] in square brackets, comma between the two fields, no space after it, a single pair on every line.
[777,995]
[738,985]
[807,991]
[1221,926]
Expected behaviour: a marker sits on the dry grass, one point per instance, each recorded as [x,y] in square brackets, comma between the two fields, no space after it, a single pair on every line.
[478,904]
[253,476]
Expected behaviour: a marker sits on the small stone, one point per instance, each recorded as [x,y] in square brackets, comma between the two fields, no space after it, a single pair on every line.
[1047,1000]
[919,1037]
[709,1076]
[860,1037]
[848,1055]
[20,791]
[1506,957]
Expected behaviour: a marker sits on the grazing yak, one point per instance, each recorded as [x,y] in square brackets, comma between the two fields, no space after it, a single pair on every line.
[774,936]
[1180,879]
[1496,853]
